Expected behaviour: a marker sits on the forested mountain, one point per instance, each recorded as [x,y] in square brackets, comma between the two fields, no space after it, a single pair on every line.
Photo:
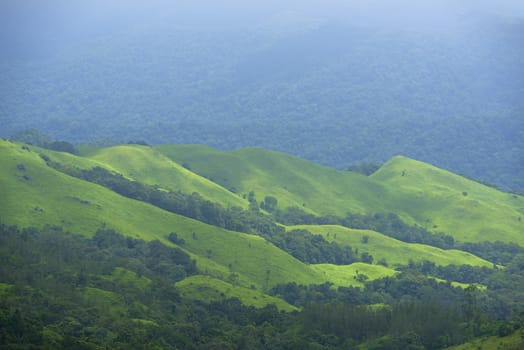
[337,84]
[188,246]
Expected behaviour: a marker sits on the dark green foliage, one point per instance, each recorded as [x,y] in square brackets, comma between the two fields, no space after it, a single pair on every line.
[366,257]
[173,237]
[497,252]
[458,273]
[50,274]
[138,142]
[48,304]
[406,286]
[32,137]
[402,326]
[61,146]
[391,225]
[315,249]
[269,204]
[365,169]
[50,250]
[36,138]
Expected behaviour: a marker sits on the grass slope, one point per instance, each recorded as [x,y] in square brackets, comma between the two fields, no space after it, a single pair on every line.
[450,203]
[293,181]
[148,166]
[211,289]
[514,341]
[46,196]
[347,275]
[420,193]
[395,252]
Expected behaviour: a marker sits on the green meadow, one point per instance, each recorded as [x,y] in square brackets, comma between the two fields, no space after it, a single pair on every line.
[391,250]
[446,202]
[352,275]
[146,165]
[293,181]
[210,289]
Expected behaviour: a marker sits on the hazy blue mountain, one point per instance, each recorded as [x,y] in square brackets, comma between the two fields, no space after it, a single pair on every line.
[335,82]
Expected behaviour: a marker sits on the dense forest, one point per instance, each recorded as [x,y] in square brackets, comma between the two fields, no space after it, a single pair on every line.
[62,290]
[335,91]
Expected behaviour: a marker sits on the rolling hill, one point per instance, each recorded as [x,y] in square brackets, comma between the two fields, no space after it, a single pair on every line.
[148,166]
[267,268]
[39,195]
[390,250]
[444,201]
[35,195]
[418,192]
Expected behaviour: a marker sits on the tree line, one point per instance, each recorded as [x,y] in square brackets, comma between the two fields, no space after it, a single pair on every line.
[62,290]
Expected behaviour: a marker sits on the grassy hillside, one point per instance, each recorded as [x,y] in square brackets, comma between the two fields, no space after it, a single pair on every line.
[389,249]
[35,195]
[148,166]
[238,264]
[348,275]
[447,202]
[293,181]
[418,192]
[209,289]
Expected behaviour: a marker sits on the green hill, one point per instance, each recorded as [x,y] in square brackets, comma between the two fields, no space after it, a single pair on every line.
[440,200]
[391,250]
[354,274]
[293,181]
[420,193]
[39,195]
[35,194]
[208,289]
[146,165]
[139,286]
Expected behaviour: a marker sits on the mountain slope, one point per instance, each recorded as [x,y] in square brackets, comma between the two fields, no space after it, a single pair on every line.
[427,196]
[39,195]
[208,289]
[35,194]
[391,250]
[295,182]
[146,165]
[441,200]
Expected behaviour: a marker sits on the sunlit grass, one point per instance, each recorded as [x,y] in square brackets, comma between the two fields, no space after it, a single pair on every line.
[390,250]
